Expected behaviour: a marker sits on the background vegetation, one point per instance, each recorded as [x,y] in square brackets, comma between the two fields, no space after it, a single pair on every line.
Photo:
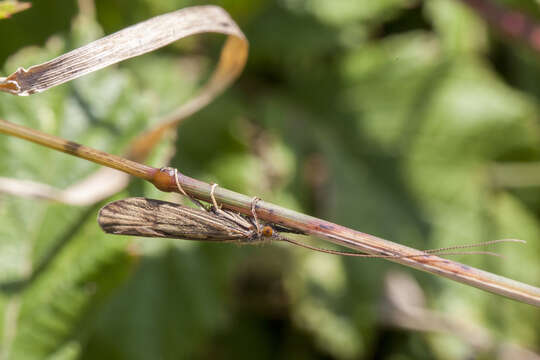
[399,118]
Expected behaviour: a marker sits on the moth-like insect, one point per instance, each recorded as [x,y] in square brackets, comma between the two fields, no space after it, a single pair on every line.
[139,216]
[155,218]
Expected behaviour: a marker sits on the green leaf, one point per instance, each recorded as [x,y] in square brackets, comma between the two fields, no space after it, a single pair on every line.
[460,30]
[58,268]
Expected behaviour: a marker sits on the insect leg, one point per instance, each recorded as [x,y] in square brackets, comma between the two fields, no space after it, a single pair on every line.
[254,213]
[226,214]
[195,201]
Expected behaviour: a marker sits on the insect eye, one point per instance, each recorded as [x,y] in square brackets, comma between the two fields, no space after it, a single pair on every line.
[267,231]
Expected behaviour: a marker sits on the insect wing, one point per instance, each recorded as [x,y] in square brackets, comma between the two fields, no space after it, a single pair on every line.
[155,218]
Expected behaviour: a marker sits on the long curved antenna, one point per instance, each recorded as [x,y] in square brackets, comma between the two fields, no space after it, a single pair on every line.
[440,251]
[483,243]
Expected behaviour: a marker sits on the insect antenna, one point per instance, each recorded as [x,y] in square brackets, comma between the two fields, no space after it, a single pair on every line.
[440,251]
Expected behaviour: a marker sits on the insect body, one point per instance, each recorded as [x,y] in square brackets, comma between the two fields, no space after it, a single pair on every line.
[155,218]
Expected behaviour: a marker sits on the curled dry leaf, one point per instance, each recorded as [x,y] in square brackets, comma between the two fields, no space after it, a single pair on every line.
[130,42]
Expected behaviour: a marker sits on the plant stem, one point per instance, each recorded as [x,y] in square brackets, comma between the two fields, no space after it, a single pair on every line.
[164,180]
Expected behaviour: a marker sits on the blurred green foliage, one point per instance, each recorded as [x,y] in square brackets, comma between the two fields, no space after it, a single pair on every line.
[385,116]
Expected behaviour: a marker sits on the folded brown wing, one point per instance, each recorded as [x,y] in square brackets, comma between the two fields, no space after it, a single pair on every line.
[155,218]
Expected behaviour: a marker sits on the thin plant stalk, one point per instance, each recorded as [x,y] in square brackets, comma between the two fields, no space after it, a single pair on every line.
[164,179]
